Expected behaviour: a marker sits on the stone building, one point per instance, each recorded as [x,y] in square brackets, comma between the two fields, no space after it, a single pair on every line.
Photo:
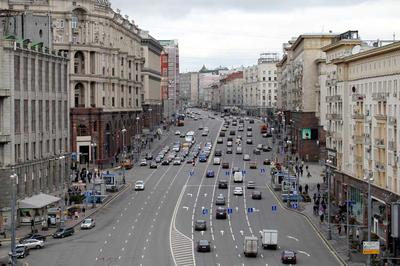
[231,95]
[34,127]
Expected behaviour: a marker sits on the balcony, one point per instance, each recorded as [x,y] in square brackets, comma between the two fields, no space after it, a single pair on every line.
[5,93]
[333,98]
[4,138]
[358,139]
[380,96]
[358,97]
[392,120]
[357,115]
[380,117]
[380,143]
[334,116]
[392,146]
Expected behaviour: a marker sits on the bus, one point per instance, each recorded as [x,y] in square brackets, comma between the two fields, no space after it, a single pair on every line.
[190,137]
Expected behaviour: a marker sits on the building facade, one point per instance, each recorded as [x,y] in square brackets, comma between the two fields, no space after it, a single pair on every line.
[231,91]
[34,125]
[185,83]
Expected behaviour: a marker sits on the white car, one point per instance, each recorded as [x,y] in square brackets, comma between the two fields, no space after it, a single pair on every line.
[88,223]
[139,185]
[238,191]
[246,157]
[177,132]
[217,161]
[229,144]
[143,162]
[31,243]
[177,161]
[204,134]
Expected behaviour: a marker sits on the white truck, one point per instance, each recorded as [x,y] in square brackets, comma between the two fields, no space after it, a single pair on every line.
[250,246]
[238,177]
[269,238]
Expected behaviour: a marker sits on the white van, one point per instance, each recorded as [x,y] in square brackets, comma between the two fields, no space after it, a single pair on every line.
[238,177]
[239,150]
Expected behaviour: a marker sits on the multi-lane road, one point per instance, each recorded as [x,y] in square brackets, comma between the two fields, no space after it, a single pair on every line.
[156,226]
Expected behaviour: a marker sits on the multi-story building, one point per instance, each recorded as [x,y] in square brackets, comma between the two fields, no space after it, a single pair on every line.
[207,78]
[105,73]
[298,78]
[260,87]
[185,83]
[171,58]
[194,88]
[151,77]
[231,91]
[368,83]
[34,122]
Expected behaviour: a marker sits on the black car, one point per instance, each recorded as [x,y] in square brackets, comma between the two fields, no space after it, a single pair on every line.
[33,236]
[63,232]
[251,121]
[165,162]
[267,162]
[229,150]
[232,132]
[222,134]
[229,138]
[249,129]
[200,225]
[266,149]
[222,184]
[203,246]
[220,213]
[218,153]
[256,195]
[256,152]
[288,256]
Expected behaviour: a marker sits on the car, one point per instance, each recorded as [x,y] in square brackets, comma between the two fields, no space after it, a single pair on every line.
[246,157]
[288,256]
[149,156]
[165,162]
[239,137]
[200,225]
[269,135]
[220,213]
[177,132]
[33,236]
[235,169]
[153,165]
[158,159]
[241,128]
[177,161]
[176,148]
[266,148]
[225,165]
[220,141]
[217,161]
[143,162]
[232,132]
[229,144]
[249,134]
[88,223]
[195,118]
[239,150]
[32,243]
[202,158]
[223,129]
[222,184]
[253,165]
[259,146]
[256,151]
[249,141]
[238,191]
[182,135]
[229,150]
[204,133]
[64,232]
[222,134]
[267,162]
[210,173]
[251,184]
[218,153]
[203,245]
[20,252]
[256,195]
[264,135]
[220,200]
[249,129]
[139,185]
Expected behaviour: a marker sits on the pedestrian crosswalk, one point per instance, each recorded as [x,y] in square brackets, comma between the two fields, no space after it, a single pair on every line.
[182,249]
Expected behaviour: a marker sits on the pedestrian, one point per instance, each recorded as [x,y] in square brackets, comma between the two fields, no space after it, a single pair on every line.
[306,188]
[319,197]
[315,197]
[301,171]
[318,187]
[339,227]
[321,216]
[300,189]
[315,209]
[345,228]
[193,163]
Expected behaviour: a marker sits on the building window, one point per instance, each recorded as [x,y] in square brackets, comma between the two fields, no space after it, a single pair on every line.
[33,116]
[112,101]
[104,101]
[26,113]
[74,22]
[17,114]
[16,73]
[33,75]
[130,89]
[112,71]
[47,110]
[40,116]
[122,102]
[53,111]
[137,90]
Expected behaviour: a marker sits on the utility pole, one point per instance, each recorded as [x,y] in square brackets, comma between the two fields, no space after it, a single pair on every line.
[93,145]
[370,178]
[14,183]
[123,154]
[347,221]
[328,175]
[62,191]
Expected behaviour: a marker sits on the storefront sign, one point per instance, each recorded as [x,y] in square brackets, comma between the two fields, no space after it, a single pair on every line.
[370,247]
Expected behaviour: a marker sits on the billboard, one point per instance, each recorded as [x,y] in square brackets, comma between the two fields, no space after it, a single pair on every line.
[370,247]
[309,133]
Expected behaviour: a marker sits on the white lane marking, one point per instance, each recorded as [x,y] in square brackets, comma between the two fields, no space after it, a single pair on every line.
[185,207]
[241,232]
[303,252]
[222,232]
[233,237]
[205,195]
[190,194]
[292,237]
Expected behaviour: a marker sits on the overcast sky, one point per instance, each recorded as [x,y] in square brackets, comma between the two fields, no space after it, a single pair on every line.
[232,33]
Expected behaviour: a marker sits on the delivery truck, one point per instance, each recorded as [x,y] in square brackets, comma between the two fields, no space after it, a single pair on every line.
[269,238]
[250,246]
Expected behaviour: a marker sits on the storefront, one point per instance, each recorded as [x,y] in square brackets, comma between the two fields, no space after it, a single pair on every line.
[35,208]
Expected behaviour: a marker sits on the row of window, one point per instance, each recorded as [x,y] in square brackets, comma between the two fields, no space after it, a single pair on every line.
[40,149]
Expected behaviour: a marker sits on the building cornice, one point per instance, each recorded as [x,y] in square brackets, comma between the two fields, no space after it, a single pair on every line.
[340,43]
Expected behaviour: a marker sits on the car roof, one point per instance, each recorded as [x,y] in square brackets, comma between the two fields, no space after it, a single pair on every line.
[203,242]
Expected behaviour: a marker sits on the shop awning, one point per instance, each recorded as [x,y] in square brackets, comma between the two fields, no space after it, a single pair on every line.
[37,201]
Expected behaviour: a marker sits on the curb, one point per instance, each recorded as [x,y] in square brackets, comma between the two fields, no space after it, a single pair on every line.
[316,229]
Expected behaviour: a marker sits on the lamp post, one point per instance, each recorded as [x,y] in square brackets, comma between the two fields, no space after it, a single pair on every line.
[370,178]
[123,153]
[137,138]
[14,182]
[328,175]
[150,119]
[61,158]
[93,146]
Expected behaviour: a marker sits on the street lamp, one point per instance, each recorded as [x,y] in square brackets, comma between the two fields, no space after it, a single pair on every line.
[62,190]
[124,154]
[14,182]
[93,145]
[328,175]
[370,178]
[150,119]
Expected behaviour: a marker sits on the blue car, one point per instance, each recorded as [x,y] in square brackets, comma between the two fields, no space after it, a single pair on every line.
[210,173]
[203,158]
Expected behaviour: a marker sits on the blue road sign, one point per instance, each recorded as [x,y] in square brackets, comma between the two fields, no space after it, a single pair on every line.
[250,210]
[205,211]
[191,173]
[227,173]
[74,156]
[273,208]
[229,210]
[262,170]
[294,205]
[244,172]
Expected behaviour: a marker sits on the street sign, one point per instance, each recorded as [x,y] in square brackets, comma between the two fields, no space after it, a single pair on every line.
[229,210]
[250,210]
[227,173]
[191,173]
[74,156]
[262,170]
[205,211]
[370,247]
[294,205]
[244,172]
[274,208]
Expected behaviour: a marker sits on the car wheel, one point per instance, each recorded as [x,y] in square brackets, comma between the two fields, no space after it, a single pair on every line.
[38,247]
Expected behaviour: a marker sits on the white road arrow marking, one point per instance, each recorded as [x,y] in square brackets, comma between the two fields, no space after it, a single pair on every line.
[190,194]
[237,208]
[303,252]
[292,237]
[205,194]
[241,232]
[202,232]
[222,232]
[186,208]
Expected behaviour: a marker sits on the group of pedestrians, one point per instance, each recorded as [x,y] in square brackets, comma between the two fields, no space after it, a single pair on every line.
[320,207]
[299,168]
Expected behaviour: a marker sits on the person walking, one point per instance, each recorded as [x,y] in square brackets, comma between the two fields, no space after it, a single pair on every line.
[321,216]
[300,189]
[306,188]
[315,197]
[318,187]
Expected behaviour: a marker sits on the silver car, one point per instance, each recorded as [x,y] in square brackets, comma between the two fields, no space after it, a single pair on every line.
[88,223]
[31,243]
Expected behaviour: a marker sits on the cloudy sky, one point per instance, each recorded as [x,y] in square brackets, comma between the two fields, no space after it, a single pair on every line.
[234,32]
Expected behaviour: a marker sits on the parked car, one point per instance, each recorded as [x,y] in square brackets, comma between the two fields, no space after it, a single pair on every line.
[32,243]
[203,246]
[20,251]
[256,195]
[33,236]
[200,225]
[88,223]
[139,185]
[289,256]
[222,184]
[63,232]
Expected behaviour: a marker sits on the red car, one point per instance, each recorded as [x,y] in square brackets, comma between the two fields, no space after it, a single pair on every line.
[289,256]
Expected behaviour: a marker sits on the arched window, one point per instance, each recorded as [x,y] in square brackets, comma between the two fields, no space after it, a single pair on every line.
[82,130]
[79,63]
[79,93]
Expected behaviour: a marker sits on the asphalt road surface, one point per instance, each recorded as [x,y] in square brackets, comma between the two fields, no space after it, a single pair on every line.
[155,226]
